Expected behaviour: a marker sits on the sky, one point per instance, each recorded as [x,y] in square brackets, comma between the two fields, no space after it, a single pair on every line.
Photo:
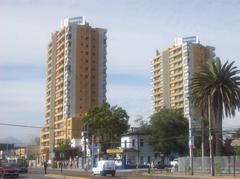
[135,29]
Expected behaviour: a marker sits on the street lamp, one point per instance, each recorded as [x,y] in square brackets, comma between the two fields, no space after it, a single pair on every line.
[210,137]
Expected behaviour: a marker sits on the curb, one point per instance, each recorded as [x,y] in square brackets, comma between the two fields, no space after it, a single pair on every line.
[187,176]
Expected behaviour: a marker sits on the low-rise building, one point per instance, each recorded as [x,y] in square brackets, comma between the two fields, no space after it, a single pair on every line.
[137,150]
[21,152]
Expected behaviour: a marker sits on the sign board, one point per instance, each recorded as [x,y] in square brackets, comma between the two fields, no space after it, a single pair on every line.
[196,124]
[191,142]
[114,151]
[53,155]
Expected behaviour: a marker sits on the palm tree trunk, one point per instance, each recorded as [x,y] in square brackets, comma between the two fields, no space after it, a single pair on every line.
[218,135]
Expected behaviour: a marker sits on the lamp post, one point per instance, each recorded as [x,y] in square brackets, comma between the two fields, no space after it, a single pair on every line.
[210,137]
[191,145]
[234,163]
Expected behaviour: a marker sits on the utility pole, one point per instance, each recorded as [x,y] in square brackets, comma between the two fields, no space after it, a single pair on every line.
[210,137]
[92,150]
[7,151]
[138,143]
[85,149]
[190,144]
[202,141]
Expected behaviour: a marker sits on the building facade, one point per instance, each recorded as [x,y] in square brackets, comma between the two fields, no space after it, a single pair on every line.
[76,81]
[137,150]
[172,70]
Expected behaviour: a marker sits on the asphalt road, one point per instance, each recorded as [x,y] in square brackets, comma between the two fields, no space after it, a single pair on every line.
[38,173]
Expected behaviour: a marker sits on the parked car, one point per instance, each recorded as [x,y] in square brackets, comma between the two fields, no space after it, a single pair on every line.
[19,163]
[8,170]
[22,169]
[174,162]
[104,167]
[162,166]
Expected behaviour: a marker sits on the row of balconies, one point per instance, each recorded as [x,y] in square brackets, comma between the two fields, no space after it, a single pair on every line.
[176,64]
[60,37]
[58,118]
[176,72]
[59,66]
[45,137]
[59,73]
[157,96]
[175,59]
[176,86]
[47,114]
[176,104]
[45,130]
[58,110]
[59,86]
[158,92]
[59,102]
[176,99]
[176,80]
[59,113]
[175,51]
[59,57]
[59,125]
[44,144]
[60,46]
[59,95]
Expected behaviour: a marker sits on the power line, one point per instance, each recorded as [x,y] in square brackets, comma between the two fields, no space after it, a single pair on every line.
[30,126]
[233,131]
[19,125]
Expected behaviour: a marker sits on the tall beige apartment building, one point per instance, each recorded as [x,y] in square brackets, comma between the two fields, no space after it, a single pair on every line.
[76,81]
[172,70]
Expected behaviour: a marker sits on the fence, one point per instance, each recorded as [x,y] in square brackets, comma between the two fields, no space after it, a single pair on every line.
[222,165]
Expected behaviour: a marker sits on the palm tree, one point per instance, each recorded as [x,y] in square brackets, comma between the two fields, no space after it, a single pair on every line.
[216,87]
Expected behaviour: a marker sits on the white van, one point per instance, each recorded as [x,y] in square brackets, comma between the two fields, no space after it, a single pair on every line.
[104,167]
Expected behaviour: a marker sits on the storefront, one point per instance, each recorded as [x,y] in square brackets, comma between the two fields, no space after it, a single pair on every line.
[117,156]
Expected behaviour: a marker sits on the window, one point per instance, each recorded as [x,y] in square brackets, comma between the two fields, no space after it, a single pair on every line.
[125,144]
[133,142]
[141,142]
[149,159]
[141,159]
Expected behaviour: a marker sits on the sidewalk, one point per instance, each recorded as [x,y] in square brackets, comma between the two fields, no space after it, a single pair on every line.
[182,175]
[138,174]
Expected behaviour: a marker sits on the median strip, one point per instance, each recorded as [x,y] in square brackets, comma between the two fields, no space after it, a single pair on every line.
[65,176]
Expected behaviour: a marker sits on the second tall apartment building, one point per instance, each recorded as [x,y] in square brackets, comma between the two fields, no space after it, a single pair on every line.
[172,70]
[76,80]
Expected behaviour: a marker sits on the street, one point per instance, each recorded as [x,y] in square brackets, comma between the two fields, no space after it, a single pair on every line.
[38,173]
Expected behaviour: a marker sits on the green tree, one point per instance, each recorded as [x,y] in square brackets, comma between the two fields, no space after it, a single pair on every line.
[64,147]
[107,124]
[141,124]
[236,135]
[33,148]
[169,132]
[220,83]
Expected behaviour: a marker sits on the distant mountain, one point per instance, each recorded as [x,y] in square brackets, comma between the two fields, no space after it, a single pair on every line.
[12,140]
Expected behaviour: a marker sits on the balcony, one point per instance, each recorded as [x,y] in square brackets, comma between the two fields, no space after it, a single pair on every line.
[176,80]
